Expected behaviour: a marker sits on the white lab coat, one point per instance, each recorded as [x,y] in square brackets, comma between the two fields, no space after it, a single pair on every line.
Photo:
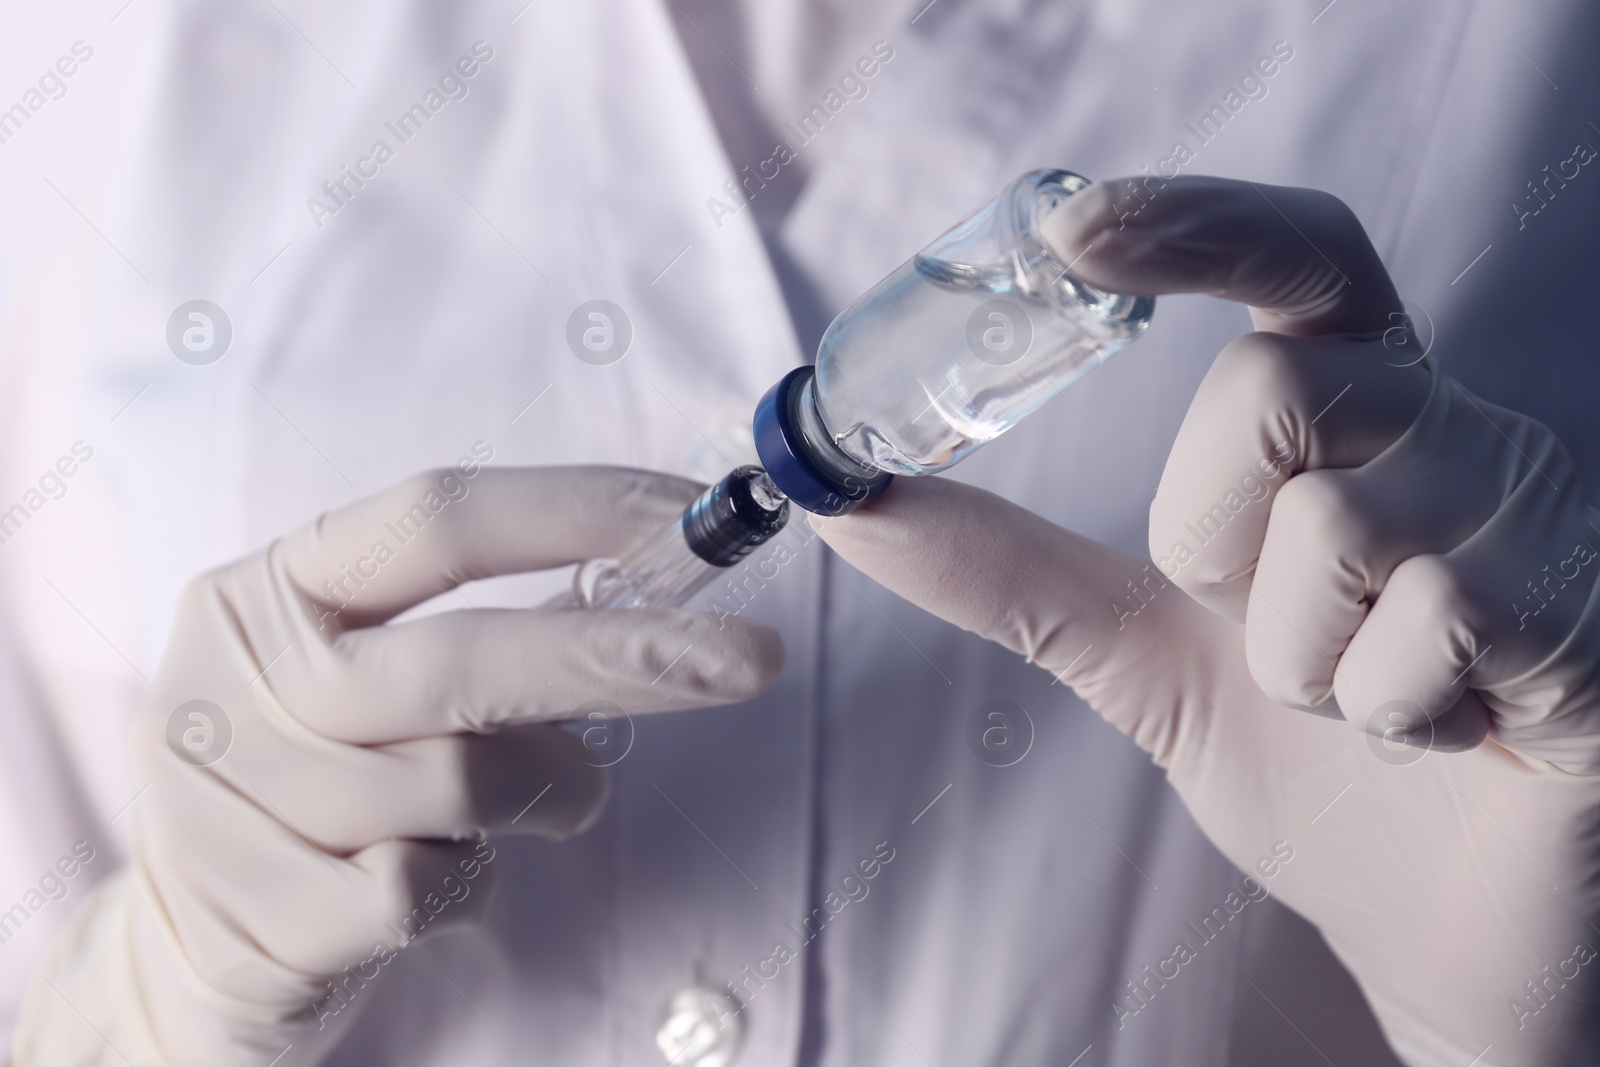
[430,312]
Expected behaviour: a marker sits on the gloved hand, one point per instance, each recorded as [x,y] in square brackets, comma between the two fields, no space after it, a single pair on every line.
[1402,555]
[348,810]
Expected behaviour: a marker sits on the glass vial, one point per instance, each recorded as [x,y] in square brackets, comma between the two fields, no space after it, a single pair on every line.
[951,350]
[719,529]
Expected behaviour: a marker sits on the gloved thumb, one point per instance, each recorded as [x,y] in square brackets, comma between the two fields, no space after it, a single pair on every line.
[1088,614]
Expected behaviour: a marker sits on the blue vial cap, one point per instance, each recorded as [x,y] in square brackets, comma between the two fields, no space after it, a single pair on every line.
[791,461]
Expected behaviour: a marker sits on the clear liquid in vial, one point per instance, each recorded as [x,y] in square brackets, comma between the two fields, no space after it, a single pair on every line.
[908,382]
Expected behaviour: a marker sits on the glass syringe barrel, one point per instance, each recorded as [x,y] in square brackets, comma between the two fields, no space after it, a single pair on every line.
[945,354]
[721,527]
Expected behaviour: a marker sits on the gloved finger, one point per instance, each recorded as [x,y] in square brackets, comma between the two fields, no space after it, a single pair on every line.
[1270,407]
[1089,615]
[474,670]
[260,879]
[1298,257]
[365,563]
[1409,664]
[531,778]
[1335,536]
[393,892]
[1334,540]
[1451,623]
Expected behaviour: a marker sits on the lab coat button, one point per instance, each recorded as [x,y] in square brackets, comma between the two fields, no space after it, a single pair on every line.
[700,1027]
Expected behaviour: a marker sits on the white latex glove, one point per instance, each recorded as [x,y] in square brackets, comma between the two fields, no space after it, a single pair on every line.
[366,764]
[1376,529]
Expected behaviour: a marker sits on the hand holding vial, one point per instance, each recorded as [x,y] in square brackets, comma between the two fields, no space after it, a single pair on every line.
[1444,846]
